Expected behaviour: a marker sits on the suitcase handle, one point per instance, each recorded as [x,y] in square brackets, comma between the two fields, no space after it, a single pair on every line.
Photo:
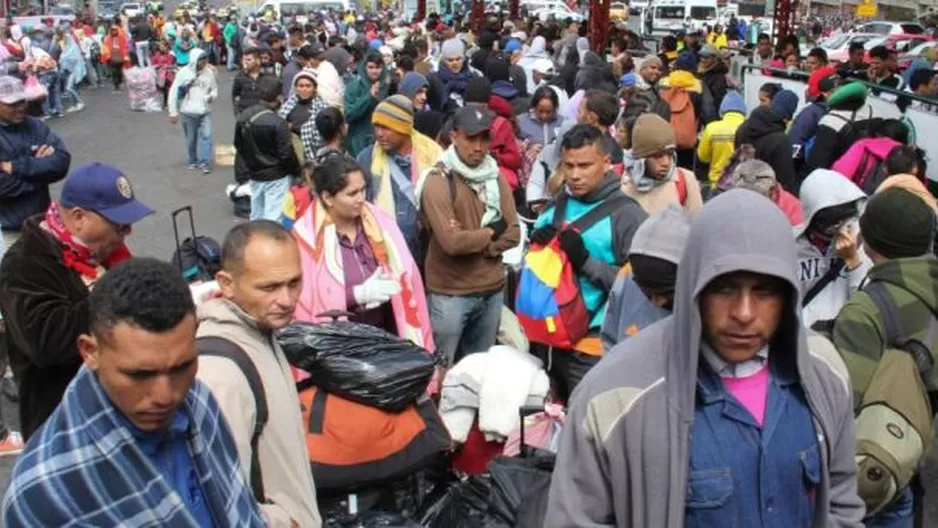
[523,412]
[175,214]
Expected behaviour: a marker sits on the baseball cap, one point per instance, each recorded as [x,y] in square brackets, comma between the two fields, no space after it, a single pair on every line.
[473,120]
[12,90]
[105,190]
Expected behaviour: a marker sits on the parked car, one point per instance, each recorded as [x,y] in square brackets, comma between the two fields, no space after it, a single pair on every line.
[618,11]
[131,9]
[905,59]
[900,43]
[891,28]
[838,47]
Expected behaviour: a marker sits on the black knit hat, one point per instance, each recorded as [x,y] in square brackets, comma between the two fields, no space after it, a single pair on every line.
[897,224]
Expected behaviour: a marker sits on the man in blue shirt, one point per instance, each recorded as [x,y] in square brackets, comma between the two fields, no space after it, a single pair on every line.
[136,440]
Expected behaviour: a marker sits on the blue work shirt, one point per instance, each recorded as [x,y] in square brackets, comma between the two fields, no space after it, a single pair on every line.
[746,475]
[169,454]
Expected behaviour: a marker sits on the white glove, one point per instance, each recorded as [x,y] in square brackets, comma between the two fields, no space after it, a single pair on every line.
[376,290]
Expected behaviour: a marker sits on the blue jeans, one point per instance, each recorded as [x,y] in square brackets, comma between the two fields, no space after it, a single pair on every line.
[267,198]
[232,58]
[198,131]
[464,325]
[53,102]
[143,53]
[71,88]
[899,514]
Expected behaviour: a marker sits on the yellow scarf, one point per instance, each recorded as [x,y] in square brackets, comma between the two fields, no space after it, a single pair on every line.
[423,149]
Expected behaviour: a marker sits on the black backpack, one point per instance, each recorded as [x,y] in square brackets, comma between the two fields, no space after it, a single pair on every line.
[198,258]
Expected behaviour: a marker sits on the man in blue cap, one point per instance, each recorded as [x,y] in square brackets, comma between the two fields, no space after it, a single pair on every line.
[45,278]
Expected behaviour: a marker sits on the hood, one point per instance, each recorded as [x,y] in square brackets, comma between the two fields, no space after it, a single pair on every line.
[761,123]
[505,89]
[732,102]
[916,275]
[340,58]
[194,55]
[538,49]
[736,231]
[591,59]
[825,188]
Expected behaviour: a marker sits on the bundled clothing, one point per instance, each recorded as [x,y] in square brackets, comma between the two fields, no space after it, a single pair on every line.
[822,189]
[652,402]
[25,191]
[331,85]
[491,385]
[862,157]
[107,473]
[453,87]
[595,73]
[765,130]
[288,484]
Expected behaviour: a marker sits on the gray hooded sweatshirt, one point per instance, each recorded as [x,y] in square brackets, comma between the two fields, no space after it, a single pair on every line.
[624,453]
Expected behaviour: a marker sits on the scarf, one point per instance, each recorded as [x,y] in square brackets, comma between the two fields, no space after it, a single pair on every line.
[423,155]
[324,277]
[76,255]
[454,83]
[635,172]
[482,179]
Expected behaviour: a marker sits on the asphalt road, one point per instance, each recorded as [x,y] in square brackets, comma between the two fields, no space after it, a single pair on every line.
[152,152]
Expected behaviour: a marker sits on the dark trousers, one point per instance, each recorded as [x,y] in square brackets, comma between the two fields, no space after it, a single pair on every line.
[566,368]
[117,74]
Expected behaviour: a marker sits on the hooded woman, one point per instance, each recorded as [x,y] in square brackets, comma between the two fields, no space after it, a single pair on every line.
[362,95]
[72,63]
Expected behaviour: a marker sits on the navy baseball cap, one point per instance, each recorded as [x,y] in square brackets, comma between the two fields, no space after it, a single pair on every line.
[105,190]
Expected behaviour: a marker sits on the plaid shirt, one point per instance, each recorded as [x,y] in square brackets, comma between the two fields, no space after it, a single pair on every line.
[309,135]
[85,468]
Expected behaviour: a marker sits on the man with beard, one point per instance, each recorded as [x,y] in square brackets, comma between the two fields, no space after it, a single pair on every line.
[46,276]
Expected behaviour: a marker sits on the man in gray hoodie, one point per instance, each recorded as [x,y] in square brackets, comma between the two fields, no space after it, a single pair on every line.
[725,413]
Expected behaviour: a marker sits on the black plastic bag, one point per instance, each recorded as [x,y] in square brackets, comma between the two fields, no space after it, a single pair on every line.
[359,362]
[513,482]
[465,504]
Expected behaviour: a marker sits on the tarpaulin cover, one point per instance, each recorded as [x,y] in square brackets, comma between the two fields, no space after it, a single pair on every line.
[359,362]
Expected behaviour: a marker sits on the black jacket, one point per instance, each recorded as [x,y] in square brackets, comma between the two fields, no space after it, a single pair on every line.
[45,308]
[25,192]
[263,140]
[715,81]
[244,93]
[765,130]
[595,73]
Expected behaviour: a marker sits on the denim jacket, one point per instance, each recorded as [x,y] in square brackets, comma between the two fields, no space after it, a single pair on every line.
[744,475]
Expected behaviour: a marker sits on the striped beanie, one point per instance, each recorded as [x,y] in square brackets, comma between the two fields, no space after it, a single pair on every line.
[395,113]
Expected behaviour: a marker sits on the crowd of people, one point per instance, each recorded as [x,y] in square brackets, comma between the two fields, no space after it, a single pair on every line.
[747,282]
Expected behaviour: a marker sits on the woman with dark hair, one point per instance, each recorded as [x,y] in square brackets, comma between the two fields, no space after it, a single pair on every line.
[541,122]
[355,259]
[362,95]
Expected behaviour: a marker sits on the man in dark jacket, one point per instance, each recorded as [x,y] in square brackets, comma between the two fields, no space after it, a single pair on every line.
[712,72]
[31,158]
[765,130]
[245,91]
[46,276]
[262,139]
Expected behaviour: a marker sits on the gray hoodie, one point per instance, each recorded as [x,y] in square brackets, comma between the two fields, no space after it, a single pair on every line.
[624,453]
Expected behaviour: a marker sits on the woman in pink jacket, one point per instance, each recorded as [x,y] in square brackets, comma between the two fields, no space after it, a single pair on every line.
[355,259]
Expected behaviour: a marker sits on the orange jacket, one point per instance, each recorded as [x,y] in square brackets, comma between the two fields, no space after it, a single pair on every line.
[107,45]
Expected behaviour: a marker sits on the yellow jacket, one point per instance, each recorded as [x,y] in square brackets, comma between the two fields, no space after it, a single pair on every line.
[717,40]
[717,144]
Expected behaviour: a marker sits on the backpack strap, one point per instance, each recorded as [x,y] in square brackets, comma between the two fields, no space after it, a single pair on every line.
[440,166]
[220,347]
[827,278]
[681,183]
[897,334]
[599,212]
[560,211]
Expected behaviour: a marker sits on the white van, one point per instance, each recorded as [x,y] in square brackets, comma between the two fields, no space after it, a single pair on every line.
[669,16]
[301,9]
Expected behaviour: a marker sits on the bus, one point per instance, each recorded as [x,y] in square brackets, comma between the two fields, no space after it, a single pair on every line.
[301,9]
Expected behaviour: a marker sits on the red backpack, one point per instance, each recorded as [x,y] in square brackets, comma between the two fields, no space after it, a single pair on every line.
[557,316]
